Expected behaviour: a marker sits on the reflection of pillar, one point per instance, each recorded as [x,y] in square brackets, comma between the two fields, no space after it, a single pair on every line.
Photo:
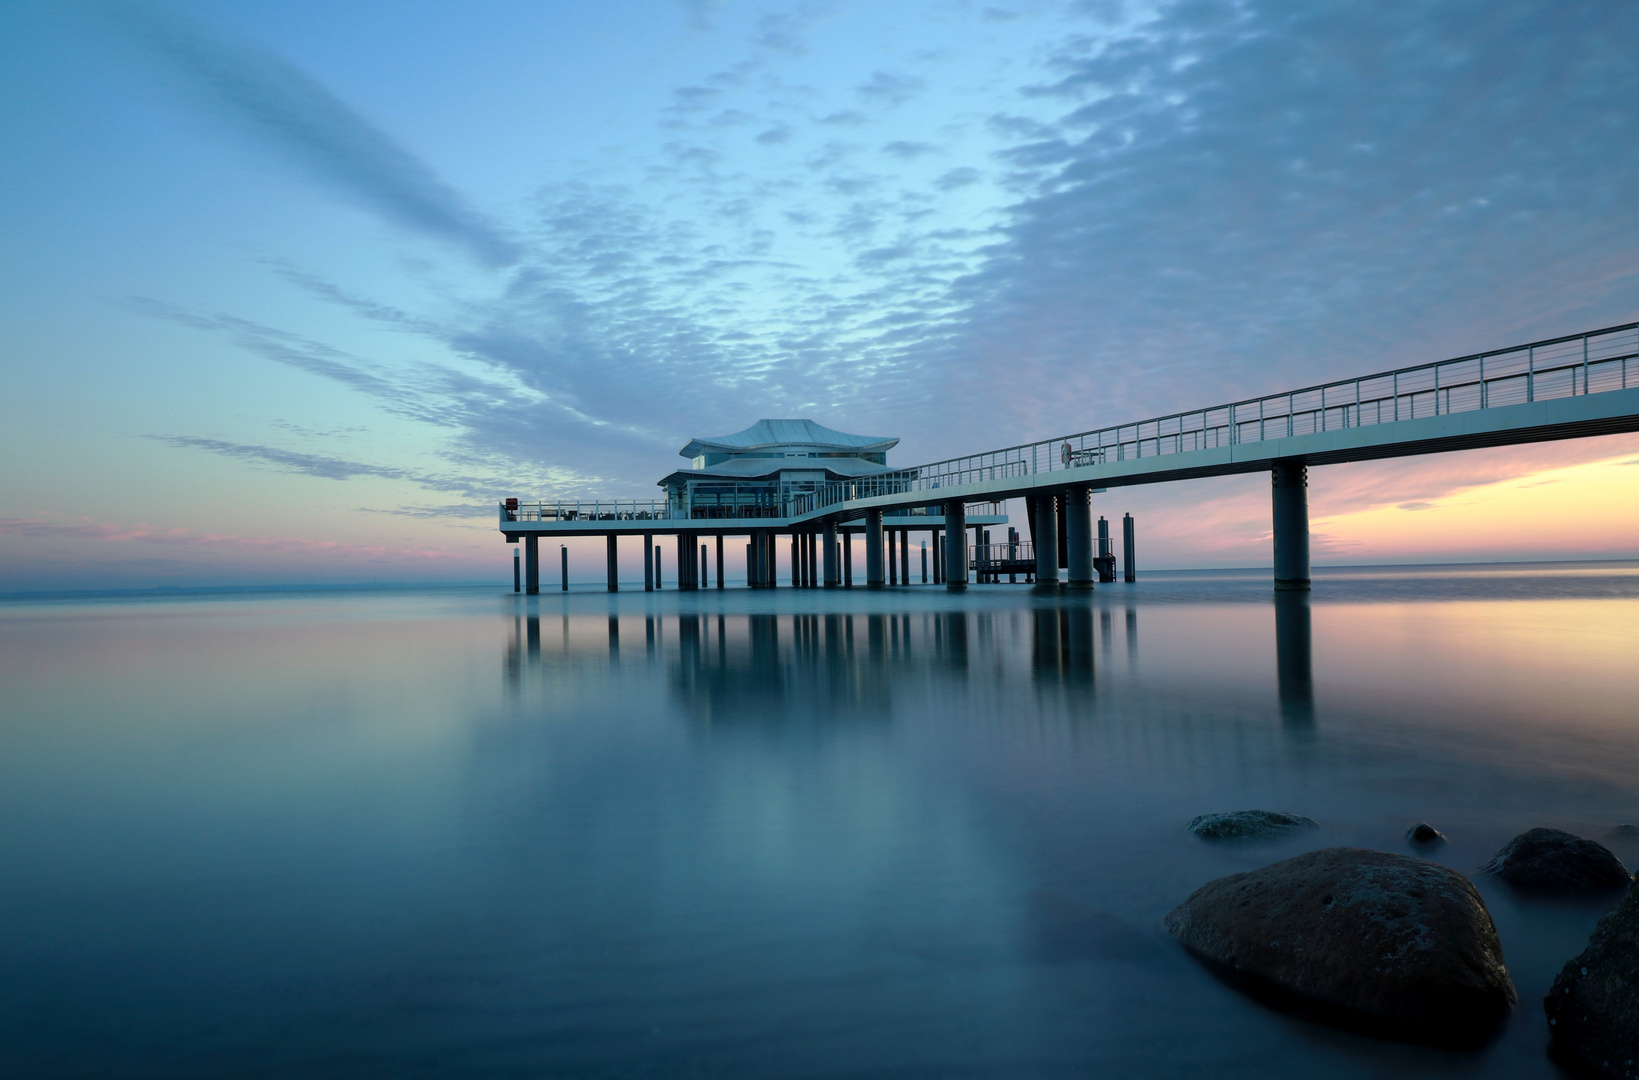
[648,562]
[532,565]
[1290,481]
[1047,542]
[956,639]
[1294,658]
[873,549]
[1132,632]
[832,577]
[955,545]
[1044,641]
[532,627]
[614,637]
[1079,643]
[612,557]
[1078,533]
[876,629]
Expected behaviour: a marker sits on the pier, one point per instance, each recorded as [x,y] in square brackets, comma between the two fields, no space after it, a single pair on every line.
[1570,387]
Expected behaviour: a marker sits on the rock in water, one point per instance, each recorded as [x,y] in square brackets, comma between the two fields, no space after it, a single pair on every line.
[1249,825]
[1368,940]
[1593,1009]
[1424,833]
[1549,861]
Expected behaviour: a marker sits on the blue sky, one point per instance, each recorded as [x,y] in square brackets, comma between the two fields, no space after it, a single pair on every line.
[295,292]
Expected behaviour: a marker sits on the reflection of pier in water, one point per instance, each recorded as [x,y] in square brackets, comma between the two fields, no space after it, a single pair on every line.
[767,668]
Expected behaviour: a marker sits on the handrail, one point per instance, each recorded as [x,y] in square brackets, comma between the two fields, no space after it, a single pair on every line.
[1592,362]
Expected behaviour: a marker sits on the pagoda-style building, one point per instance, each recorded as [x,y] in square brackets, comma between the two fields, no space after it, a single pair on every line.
[768,466]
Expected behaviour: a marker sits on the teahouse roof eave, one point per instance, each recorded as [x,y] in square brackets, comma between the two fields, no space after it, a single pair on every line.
[768,433]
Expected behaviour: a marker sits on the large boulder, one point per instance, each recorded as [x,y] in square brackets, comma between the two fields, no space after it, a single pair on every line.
[1552,862]
[1593,1009]
[1250,825]
[1376,942]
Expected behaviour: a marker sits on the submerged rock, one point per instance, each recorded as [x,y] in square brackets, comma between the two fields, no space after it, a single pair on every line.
[1553,862]
[1593,1008]
[1424,833]
[1249,825]
[1372,941]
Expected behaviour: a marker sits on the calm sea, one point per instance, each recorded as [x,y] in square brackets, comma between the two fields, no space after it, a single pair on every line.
[791,834]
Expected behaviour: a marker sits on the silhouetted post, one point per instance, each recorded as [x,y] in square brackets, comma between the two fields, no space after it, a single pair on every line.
[1106,554]
[705,579]
[1079,534]
[532,565]
[892,563]
[1047,542]
[873,549]
[833,577]
[847,560]
[1129,550]
[719,560]
[659,578]
[648,562]
[517,574]
[955,545]
[613,562]
[751,571]
[685,562]
[924,562]
[1290,482]
[563,569]
[938,555]
[904,556]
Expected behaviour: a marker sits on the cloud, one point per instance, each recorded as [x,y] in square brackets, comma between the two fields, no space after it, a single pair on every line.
[890,88]
[283,106]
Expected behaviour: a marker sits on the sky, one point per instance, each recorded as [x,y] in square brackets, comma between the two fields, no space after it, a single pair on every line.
[294,293]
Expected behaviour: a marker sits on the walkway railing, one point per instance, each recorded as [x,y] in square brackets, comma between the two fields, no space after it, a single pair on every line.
[594,510]
[1588,363]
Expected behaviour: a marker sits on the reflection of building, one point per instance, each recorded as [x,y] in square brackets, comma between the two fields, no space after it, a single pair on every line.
[769,465]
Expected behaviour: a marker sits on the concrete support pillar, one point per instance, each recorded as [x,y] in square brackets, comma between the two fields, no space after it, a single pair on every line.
[888,538]
[685,562]
[1290,477]
[873,549]
[563,572]
[937,537]
[904,556]
[1079,533]
[612,559]
[532,565]
[517,572]
[1047,542]
[719,560]
[659,578]
[705,578]
[848,560]
[924,562]
[833,577]
[648,562]
[1129,550]
[955,545]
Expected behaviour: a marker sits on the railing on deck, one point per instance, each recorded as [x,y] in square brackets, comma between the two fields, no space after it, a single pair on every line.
[1589,363]
[593,510]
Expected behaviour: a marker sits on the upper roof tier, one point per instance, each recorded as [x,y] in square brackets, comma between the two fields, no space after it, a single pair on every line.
[766,434]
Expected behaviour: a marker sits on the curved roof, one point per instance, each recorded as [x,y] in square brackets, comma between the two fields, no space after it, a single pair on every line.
[787,433]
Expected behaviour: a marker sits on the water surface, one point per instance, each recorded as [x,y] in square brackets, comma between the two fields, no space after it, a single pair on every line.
[787,834]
